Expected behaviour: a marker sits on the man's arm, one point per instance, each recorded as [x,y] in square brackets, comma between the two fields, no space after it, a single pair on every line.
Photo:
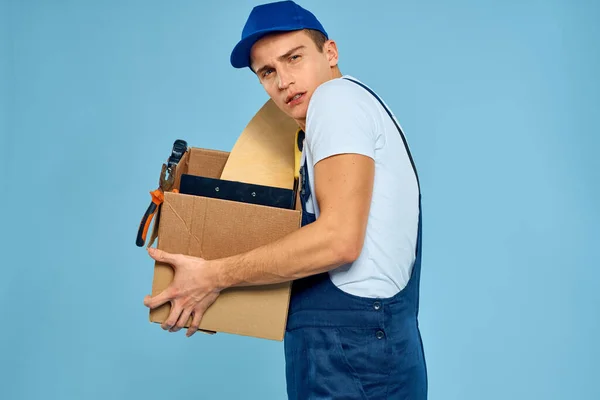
[343,185]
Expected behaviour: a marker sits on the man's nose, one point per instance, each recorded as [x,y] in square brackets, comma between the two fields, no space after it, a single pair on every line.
[284,79]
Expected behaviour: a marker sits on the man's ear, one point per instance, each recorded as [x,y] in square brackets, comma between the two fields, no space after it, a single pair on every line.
[332,52]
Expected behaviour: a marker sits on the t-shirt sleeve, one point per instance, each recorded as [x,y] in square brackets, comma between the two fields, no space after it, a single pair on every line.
[340,120]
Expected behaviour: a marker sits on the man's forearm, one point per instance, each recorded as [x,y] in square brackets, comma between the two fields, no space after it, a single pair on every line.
[314,248]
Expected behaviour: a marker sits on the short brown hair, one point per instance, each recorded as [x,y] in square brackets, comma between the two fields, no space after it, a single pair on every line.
[317,37]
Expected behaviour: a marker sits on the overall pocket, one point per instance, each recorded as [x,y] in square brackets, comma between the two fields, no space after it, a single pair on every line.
[321,369]
[365,352]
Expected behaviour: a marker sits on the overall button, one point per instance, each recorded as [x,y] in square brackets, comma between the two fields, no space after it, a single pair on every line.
[377,305]
[379,335]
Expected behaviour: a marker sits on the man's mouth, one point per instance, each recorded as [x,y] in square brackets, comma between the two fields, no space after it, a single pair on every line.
[293,99]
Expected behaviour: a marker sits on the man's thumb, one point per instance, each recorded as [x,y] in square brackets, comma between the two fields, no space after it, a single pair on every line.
[161,255]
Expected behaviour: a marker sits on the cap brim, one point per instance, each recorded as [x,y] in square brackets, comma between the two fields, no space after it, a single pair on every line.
[240,56]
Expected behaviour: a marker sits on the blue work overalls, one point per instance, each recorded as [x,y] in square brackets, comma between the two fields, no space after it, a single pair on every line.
[342,346]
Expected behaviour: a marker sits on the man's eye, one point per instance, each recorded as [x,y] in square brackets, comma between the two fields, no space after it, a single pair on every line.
[294,57]
[267,72]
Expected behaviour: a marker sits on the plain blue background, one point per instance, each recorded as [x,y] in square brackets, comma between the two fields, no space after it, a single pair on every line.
[500,102]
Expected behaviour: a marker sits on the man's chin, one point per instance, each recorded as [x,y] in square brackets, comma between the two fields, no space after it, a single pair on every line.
[297,113]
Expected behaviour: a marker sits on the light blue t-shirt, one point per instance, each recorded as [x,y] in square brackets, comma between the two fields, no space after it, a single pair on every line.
[345,118]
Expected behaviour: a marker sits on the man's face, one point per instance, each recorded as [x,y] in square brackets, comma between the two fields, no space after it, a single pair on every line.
[290,68]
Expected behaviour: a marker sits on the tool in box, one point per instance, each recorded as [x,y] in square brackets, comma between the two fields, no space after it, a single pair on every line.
[237,191]
[165,184]
[264,195]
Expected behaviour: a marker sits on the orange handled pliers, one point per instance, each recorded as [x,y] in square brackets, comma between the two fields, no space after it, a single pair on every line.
[165,184]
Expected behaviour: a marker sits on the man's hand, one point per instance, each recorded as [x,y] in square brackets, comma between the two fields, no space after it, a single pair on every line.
[192,291]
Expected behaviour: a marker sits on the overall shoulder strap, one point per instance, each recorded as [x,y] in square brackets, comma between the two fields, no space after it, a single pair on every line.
[395,123]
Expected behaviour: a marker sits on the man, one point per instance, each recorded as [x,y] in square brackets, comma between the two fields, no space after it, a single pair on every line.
[352,331]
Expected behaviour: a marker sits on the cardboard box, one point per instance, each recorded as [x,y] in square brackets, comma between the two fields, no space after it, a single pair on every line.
[214,228]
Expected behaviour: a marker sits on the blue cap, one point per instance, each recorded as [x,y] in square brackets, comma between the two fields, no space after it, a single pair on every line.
[280,16]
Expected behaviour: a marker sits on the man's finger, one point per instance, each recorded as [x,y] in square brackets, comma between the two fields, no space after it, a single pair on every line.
[195,324]
[173,316]
[199,311]
[183,319]
[158,300]
[163,256]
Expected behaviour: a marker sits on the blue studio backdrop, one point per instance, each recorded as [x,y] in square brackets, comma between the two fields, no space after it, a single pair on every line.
[499,101]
